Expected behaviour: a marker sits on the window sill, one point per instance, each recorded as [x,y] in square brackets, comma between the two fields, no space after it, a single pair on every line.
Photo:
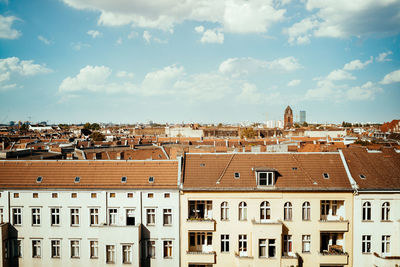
[366,221]
[151,224]
[35,225]
[306,252]
[56,257]
[168,258]
[167,225]
[366,253]
[94,258]
[75,225]
[308,220]
[76,258]
[386,221]
[55,225]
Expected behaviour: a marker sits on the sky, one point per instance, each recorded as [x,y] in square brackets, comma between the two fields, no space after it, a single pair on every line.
[205,61]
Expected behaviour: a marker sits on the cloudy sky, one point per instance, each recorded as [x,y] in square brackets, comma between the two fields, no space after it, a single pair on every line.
[203,61]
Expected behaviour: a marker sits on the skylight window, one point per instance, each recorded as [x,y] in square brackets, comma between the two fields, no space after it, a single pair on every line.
[151,179]
[294,168]
[202,164]
[237,175]
[77,179]
[39,179]
[123,179]
[362,176]
[326,175]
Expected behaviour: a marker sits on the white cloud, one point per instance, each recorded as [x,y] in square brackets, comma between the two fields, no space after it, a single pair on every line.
[251,94]
[199,29]
[14,67]
[382,56]
[78,46]
[365,92]
[212,36]
[300,32]
[94,33]
[92,78]
[132,35]
[294,83]
[357,64]
[119,41]
[233,15]
[125,74]
[159,82]
[244,66]
[147,36]
[338,75]
[393,77]
[6,30]
[44,40]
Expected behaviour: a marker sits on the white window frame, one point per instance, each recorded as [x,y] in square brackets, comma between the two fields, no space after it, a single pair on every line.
[150,216]
[386,244]
[36,216]
[75,248]
[242,211]
[151,249]
[262,248]
[265,211]
[55,246]
[306,243]
[110,253]
[366,244]
[17,216]
[113,216]
[224,243]
[385,211]
[270,245]
[126,254]
[94,249]
[167,216]
[366,211]
[36,248]
[1,215]
[167,249]
[74,216]
[224,211]
[287,244]
[242,245]
[288,211]
[55,216]
[94,216]
[269,178]
[306,211]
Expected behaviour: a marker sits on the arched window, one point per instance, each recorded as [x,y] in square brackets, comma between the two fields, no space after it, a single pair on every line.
[386,211]
[366,211]
[242,211]
[224,211]
[265,211]
[287,211]
[306,211]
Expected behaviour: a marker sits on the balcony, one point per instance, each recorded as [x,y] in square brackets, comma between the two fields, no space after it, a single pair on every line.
[200,224]
[290,261]
[200,257]
[333,258]
[271,226]
[334,226]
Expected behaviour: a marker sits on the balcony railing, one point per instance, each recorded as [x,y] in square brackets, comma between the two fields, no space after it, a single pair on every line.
[334,226]
[340,258]
[195,224]
[200,257]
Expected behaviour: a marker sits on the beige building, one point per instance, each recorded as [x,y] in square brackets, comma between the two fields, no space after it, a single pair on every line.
[275,209]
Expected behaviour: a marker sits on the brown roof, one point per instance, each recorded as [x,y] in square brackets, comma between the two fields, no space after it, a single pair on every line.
[202,171]
[93,174]
[381,170]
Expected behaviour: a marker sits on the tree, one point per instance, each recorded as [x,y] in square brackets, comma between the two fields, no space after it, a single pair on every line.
[24,128]
[86,126]
[97,136]
[248,133]
[95,126]
[305,124]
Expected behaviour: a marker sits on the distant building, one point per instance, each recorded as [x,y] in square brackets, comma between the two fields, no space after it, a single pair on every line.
[288,117]
[274,124]
[302,116]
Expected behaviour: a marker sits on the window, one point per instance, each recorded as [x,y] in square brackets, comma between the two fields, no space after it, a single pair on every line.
[366,244]
[130,195]
[325,207]
[94,216]
[150,195]
[271,248]
[151,216]
[124,179]
[366,211]
[151,249]
[325,175]
[55,248]
[200,209]
[130,217]
[306,211]
[287,244]
[334,207]
[287,211]
[168,249]
[386,211]
[110,254]
[55,216]
[151,179]
[265,211]
[112,195]
[36,248]
[35,195]
[94,249]
[242,211]
[77,179]
[1,215]
[17,216]
[167,216]
[167,195]
[93,195]
[112,216]
[262,248]
[74,217]
[16,195]
[224,211]
[54,195]
[224,243]
[18,248]
[386,244]
[237,175]
[74,195]
[36,216]
[306,243]
[126,254]
[39,179]
[242,245]
[362,176]
[74,248]
[266,178]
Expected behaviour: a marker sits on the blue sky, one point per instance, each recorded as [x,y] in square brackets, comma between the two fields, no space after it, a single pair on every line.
[205,61]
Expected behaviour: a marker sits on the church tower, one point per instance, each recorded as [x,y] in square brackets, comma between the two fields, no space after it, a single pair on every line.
[288,118]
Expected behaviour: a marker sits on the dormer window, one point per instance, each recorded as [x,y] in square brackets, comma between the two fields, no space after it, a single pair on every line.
[326,175]
[362,176]
[39,179]
[77,179]
[123,179]
[237,175]
[265,178]
[151,179]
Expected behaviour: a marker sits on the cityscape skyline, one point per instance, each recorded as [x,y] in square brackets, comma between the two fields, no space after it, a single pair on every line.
[74,61]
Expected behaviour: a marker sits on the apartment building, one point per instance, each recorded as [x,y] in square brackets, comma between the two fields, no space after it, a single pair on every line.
[376,206]
[89,213]
[258,209]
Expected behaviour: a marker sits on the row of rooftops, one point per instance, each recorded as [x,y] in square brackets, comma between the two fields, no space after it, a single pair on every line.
[346,170]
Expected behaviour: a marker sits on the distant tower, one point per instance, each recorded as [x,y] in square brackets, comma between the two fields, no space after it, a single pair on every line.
[288,118]
[302,116]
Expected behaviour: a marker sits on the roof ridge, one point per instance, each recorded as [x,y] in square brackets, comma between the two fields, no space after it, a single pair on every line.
[224,170]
